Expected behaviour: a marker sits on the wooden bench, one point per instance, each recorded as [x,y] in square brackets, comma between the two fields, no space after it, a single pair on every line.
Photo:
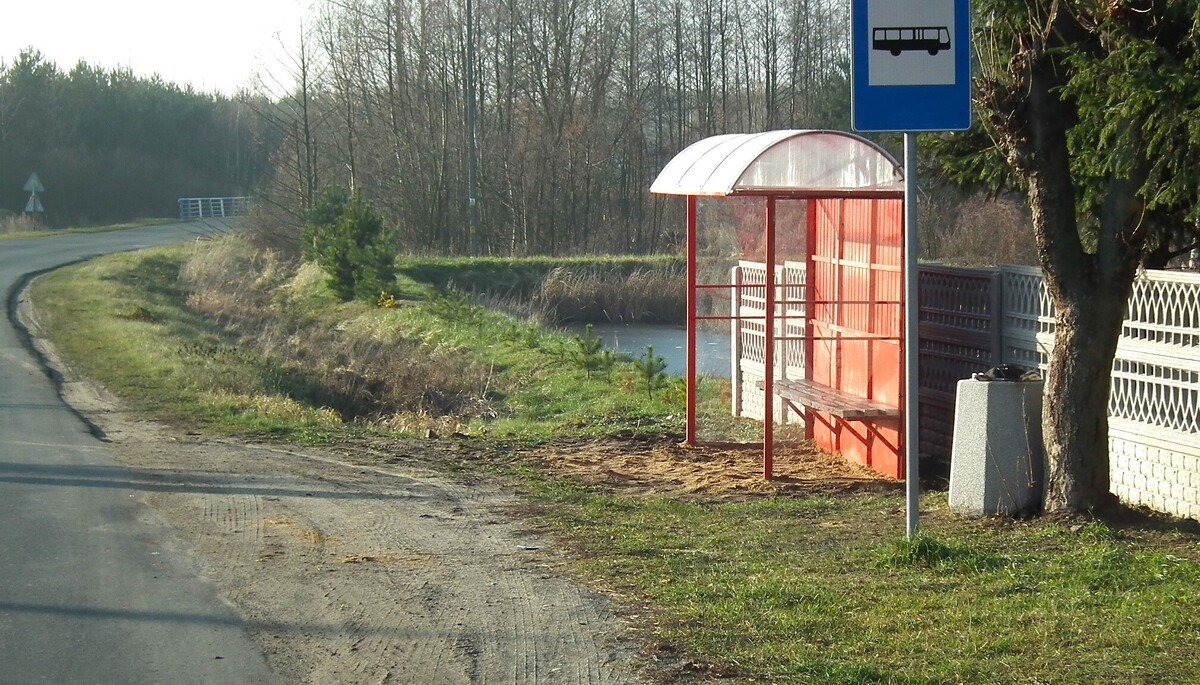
[823,398]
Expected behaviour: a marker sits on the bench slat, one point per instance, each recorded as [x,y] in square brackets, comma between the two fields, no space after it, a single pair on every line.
[824,398]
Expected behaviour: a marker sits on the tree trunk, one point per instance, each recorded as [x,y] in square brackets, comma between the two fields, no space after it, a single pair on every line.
[1075,407]
[1089,290]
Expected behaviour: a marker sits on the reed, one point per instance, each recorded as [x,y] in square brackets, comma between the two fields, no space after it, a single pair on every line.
[568,295]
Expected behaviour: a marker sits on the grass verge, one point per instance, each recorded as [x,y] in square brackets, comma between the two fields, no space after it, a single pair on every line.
[803,589]
[42,233]
[232,347]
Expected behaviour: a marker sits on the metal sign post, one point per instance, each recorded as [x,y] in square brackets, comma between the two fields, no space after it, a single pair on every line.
[34,186]
[911,71]
[912,399]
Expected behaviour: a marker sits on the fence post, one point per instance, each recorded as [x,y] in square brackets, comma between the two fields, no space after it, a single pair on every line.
[996,325]
[735,340]
[781,289]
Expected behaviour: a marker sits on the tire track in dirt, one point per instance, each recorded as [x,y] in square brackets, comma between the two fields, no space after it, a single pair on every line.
[237,515]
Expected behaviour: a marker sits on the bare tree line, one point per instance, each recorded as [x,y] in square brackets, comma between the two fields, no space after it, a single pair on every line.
[579,105]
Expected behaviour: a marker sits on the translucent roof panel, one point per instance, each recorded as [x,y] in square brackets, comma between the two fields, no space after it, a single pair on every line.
[780,162]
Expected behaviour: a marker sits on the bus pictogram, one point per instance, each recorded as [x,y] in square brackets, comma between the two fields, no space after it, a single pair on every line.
[898,39]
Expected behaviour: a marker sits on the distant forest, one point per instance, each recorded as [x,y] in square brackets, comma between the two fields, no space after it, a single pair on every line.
[580,104]
[111,146]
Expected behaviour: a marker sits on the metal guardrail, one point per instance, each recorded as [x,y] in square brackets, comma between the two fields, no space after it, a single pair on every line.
[212,207]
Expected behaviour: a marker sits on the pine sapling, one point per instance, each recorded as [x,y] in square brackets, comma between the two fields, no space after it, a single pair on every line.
[607,361]
[588,353]
[651,367]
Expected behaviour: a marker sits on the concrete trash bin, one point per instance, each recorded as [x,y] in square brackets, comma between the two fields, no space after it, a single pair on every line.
[996,461]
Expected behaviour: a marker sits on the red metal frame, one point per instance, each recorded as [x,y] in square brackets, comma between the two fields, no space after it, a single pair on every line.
[769,352]
[690,434]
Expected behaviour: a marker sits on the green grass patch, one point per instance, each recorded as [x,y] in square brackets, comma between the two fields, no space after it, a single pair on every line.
[126,319]
[41,233]
[121,321]
[824,590]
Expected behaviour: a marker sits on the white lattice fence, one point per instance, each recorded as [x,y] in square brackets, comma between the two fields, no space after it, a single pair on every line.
[749,335]
[1154,429]
[1027,320]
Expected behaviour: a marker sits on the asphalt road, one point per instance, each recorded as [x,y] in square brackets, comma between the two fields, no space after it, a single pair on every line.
[94,586]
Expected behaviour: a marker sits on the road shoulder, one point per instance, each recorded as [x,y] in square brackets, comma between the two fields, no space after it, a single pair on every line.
[352,574]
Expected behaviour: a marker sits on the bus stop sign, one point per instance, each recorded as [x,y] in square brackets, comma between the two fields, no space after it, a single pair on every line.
[911,65]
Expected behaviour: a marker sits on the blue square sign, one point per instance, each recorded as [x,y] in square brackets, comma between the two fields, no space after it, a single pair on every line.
[911,65]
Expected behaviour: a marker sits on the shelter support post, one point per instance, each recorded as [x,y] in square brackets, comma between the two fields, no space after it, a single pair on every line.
[769,352]
[690,432]
[912,485]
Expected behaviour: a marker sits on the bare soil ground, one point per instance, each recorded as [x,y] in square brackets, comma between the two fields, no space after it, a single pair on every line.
[658,467]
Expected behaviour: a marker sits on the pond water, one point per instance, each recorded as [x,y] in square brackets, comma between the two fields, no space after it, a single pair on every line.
[712,347]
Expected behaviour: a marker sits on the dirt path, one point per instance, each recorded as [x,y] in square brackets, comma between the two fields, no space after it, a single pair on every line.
[352,574]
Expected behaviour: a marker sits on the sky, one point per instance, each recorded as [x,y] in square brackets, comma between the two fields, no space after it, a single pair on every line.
[213,45]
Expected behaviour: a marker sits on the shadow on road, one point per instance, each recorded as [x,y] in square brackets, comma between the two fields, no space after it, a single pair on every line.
[117,478]
[274,627]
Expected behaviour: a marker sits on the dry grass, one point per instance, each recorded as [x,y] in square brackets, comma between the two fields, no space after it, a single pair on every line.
[21,223]
[978,231]
[259,298]
[645,295]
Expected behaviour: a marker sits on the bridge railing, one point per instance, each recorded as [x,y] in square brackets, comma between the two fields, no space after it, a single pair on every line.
[212,207]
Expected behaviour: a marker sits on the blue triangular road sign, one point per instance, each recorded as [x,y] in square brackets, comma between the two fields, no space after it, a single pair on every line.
[34,184]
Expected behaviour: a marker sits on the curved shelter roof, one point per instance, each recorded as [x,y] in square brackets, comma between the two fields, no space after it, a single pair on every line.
[792,162]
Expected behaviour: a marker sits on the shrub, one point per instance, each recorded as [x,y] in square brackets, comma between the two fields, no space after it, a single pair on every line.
[346,237]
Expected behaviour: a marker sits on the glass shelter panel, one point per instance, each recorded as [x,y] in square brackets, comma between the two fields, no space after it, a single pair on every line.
[820,161]
[729,318]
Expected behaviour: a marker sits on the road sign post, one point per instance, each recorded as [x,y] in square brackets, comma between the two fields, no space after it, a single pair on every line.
[911,72]
[34,186]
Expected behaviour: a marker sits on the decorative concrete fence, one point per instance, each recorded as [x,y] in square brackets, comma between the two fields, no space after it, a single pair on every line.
[212,207]
[973,319]
[1154,407]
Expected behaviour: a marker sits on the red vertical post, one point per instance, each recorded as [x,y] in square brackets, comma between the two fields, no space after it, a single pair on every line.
[810,308]
[769,352]
[690,433]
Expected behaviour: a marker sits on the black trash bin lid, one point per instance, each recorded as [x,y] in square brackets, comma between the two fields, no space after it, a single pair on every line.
[1009,372]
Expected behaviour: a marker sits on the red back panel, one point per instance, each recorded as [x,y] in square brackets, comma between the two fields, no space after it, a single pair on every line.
[856,265]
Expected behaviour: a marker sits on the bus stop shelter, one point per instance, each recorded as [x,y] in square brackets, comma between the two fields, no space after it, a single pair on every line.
[795,245]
